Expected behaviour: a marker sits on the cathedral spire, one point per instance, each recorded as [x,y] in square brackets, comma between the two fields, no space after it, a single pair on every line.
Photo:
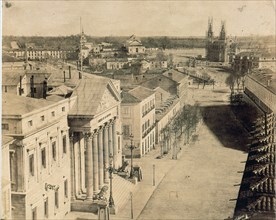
[223,31]
[210,28]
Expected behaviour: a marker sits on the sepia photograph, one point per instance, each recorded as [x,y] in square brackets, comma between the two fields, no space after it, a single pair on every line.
[138,110]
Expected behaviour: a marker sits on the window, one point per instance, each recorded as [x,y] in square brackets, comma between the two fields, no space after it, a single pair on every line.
[42,118]
[43,157]
[64,144]
[6,89]
[53,114]
[46,208]
[137,50]
[126,130]
[63,109]
[30,123]
[54,153]
[34,89]
[5,126]
[31,165]
[65,188]
[34,214]
[56,199]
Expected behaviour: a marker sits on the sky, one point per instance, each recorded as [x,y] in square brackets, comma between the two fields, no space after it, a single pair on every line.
[142,18]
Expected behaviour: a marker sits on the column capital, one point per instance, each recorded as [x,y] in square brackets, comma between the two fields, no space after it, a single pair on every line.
[87,135]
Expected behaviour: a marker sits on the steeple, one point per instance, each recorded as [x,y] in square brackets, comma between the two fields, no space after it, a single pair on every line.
[222,35]
[82,44]
[210,32]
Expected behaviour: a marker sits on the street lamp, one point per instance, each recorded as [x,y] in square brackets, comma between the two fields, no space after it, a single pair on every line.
[131,147]
[111,171]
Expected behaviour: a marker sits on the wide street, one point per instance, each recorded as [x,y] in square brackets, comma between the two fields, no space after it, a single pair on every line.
[201,184]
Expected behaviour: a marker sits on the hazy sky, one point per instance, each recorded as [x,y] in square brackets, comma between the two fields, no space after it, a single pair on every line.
[142,18]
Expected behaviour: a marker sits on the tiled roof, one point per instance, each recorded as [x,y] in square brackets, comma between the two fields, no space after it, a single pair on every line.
[61,90]
[128,98]
[12,78]
[20,105]
[163,82]
[141,92]
[89,94]
[266,77]
[175,75]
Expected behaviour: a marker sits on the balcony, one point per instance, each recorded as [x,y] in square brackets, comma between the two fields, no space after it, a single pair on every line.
[145,133]
[149,110]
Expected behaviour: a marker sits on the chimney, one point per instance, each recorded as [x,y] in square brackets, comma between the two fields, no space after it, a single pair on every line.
[64,78]
[32,86]
[20,86]
[44,88]
[69,72]
[170,74]
[80,75]
[268,82]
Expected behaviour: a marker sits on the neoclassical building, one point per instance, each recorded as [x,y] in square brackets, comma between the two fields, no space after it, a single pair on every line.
[95,129]
[39,156]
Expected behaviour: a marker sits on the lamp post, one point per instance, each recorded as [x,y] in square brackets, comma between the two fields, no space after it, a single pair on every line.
[131,147]
[111,170]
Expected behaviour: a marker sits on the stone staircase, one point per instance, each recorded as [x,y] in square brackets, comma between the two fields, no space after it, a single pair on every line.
[121,191]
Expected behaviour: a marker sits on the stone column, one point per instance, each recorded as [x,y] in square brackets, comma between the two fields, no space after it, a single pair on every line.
[110,139]
[89,166]
[82,151]
[105,153]
[100,153]
[95,163]
[76,164]
[72,157]
[115,145]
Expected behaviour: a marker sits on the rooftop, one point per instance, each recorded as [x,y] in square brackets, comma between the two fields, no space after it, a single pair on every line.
[128,98]
[266,77]
[20,105]
[89,94]
[175,75]
[141,92]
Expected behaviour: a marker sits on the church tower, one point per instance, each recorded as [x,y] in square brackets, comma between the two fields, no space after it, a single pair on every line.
[222,35]
[82,44]
[209,38]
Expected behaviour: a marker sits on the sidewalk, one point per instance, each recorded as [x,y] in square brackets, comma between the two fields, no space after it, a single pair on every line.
[145,188]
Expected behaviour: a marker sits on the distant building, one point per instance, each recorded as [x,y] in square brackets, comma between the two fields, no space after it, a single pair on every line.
[40,176]
[116,64]
[182,81]
[219,49]
[31,83]
[247,61]
[134,46]
[138,119]
[151,64]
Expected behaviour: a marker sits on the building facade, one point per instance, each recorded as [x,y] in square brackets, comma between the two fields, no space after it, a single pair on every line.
[40,178]
[5,178]
[138,119]
[256,197]
[95,128]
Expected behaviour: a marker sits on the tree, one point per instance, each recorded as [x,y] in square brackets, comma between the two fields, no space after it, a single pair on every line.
[165,42]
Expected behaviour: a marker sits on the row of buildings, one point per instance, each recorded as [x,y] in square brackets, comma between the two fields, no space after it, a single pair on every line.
[58,134]
[256,199]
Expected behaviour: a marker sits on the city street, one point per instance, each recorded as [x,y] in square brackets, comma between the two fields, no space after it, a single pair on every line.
[201,184]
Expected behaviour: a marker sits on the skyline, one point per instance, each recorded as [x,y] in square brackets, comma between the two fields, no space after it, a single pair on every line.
[142,18]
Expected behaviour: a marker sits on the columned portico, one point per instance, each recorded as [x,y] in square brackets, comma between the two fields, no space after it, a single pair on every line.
[90,156]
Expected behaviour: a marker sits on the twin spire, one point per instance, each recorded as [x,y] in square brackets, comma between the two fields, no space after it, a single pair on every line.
[210,33]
